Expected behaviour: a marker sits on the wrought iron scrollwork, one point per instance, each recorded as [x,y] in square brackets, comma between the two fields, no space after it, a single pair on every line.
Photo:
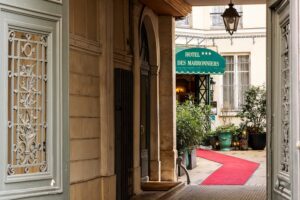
[27,93]
[283,184]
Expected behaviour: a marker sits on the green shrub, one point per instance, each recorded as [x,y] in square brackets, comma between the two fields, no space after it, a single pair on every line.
[254,110]
[227,128]
[192,123]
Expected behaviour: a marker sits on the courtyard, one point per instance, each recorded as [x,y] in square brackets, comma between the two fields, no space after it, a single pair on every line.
[206,167]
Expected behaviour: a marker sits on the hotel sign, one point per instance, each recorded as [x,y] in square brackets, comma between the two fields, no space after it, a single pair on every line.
[199,61]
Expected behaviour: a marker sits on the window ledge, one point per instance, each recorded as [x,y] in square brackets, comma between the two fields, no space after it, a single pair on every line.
[229,113]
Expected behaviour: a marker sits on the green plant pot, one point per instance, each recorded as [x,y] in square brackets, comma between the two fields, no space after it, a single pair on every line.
[225,139]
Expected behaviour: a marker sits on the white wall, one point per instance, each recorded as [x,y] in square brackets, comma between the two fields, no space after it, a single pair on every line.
[254,16]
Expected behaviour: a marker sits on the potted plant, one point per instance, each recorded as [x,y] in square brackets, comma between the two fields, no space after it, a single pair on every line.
[191,125]
[211,139]
[225,133]
[253,115]
[236,135]
[214,141]
[243,137]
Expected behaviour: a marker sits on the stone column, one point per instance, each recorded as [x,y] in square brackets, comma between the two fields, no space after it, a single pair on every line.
[155,165]
[167,98]
[107,132]
[136,98]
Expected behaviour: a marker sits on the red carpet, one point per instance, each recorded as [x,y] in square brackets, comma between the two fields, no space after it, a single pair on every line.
[234,171]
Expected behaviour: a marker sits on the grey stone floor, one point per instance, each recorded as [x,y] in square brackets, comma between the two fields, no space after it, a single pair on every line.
[206,167]
[194,192]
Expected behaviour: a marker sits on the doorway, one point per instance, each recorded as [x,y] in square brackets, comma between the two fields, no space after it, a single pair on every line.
[145,107]
[124,133]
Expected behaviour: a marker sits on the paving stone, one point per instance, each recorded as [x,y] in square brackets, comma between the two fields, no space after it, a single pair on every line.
[195,192]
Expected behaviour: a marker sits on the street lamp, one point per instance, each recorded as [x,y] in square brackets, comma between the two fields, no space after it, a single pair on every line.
[231,18]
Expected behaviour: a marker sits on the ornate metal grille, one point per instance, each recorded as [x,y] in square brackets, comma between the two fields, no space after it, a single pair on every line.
[285,98]
[283,184]
[27,114]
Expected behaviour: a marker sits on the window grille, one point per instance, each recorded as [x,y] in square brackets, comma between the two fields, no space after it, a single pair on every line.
[27,113]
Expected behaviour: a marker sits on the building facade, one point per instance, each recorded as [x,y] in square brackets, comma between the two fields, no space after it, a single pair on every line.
[88,97]
[244,52]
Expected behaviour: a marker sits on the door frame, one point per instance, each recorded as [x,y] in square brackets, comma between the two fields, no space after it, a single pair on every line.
[145,76]
[294,101]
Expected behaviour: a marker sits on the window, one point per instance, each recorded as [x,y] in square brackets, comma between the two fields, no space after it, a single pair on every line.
[215,15]
[186,22]
[228,84]
[33,104]
[217,20]
[27,103]
[236,81]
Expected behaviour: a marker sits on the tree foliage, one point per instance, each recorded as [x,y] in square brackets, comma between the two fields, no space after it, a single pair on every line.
[193,122]
[254,111]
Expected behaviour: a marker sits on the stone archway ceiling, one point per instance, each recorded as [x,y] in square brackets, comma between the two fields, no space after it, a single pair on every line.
[222,2]
[176,8]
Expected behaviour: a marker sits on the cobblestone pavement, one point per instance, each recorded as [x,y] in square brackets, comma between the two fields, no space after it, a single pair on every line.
[194,192]
[206,167]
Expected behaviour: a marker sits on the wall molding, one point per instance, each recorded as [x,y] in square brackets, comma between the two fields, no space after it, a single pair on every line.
[81,43]
[56,1]
[123,59]
[180,6]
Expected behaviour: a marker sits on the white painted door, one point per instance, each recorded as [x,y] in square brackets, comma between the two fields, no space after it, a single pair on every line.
[283,99]
[33,103]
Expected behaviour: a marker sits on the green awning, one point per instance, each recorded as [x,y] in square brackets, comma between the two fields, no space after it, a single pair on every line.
[199,61]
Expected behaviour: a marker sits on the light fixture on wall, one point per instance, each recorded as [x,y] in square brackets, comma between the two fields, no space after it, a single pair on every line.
[231,18]
[180,89]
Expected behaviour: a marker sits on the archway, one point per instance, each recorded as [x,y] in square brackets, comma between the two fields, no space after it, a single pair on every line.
[149,69]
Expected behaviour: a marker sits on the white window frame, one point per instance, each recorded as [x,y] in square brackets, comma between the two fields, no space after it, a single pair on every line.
[221,26]
[51,182]
[236,86]
[181,23]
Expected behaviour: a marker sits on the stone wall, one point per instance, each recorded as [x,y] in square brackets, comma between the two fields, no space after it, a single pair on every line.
[86,60]
[104,35]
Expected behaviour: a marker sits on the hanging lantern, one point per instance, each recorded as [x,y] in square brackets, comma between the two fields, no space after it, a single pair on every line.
[231,18]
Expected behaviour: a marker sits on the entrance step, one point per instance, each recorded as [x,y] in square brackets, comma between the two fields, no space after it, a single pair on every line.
[159,190]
